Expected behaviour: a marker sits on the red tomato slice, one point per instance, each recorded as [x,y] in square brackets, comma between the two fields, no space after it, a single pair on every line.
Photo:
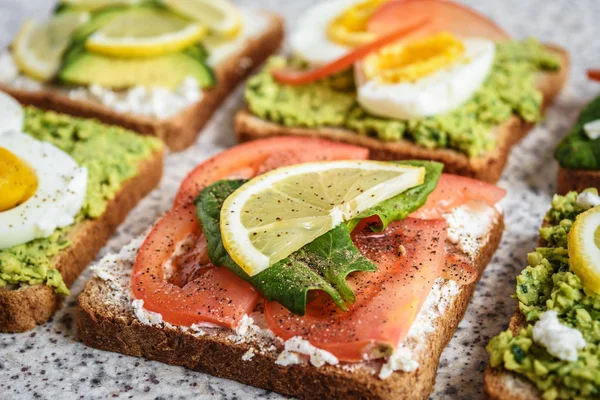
[387,301]
[453,191]
[301,77]
[249,159]
[216,296]
[594,74]
[444,15]
[197,291]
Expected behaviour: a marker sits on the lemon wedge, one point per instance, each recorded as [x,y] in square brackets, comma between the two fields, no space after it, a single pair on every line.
[39,46]
[145,32]
[584,248]
[220,16]
[277,213]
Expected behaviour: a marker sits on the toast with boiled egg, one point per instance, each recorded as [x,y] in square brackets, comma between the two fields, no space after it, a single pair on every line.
[67,184]
[578,154]
[331,268]
[456,89]
[165,84]
[549,348]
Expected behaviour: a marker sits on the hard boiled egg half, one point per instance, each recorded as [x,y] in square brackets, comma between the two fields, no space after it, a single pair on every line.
[41,187]
[424,77]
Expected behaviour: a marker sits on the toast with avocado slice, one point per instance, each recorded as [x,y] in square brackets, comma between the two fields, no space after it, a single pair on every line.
[549,350]
[171,94]
[487,166]
[578,154]
[122,168]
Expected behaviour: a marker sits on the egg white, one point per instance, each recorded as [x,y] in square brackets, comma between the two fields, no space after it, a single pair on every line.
[438,93]
[60,194]
[310,42]
[11,114]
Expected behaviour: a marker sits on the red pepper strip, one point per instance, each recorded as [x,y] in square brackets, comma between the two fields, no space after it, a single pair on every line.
[301,77]
[594,74]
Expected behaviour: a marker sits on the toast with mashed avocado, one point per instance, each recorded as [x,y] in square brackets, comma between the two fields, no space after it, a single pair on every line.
[69,183]
[160,68]
[447,93]
[578,154]
[550,350]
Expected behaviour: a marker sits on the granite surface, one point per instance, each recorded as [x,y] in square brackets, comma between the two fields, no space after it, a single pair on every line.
[48,363]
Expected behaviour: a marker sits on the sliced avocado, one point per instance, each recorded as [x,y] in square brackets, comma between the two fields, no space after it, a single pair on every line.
[197,51]
[83,68]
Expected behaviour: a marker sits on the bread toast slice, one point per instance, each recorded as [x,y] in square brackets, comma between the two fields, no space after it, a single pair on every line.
[106,320]
[487,167]
[576,179]
[23,308]
[180,131]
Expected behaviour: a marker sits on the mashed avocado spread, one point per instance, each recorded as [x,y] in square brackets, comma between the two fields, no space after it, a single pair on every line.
[509,89]
[577,150]
[547,283]
[111,155]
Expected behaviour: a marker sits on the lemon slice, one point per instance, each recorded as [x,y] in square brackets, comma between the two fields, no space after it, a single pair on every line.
[277,213]
[91,5]
[221,17]
[39,46]
[584,248]
[144,32]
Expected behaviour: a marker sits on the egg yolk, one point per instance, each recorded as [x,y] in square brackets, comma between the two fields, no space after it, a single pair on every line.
[350,27]
[413,60]
[18,181]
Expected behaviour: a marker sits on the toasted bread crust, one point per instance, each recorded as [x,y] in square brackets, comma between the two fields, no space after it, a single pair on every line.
[24,308]
[181,130]
[577,179]
[487,168]
[99,325]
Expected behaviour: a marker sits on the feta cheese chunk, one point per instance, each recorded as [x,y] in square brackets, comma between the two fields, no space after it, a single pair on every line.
[592,129]
[560,340]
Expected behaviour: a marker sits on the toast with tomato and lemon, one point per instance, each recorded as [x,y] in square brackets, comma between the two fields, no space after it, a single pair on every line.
[417,79]
[66,184]
[550,350]
[158,67]
[288,261]
[578,154]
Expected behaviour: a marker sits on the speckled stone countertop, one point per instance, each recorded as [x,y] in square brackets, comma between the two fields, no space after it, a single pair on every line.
[48,363]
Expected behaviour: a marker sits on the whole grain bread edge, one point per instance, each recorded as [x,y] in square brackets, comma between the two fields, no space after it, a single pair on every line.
[24,308]
[487,168]
[99,326]
[576,179]
[181,130]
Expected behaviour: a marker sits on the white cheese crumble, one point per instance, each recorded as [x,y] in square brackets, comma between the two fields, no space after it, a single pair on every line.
[144,316]
[297,345]
[469,223]
[592,129]
[400,360]
[560,340]
[588,199]
[249,355]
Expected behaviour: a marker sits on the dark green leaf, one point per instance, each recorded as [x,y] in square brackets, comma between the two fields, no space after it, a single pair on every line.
[398,207]
[320,265]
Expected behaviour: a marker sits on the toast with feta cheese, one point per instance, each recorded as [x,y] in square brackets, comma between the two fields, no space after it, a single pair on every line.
[180,130]
[108,319]
[25,306]
[487,167]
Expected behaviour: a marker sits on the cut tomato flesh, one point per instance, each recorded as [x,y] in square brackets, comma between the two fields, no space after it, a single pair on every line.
[197,291]
[443,16]
[302,77]
[453,191]
[249,159]
[387,301]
